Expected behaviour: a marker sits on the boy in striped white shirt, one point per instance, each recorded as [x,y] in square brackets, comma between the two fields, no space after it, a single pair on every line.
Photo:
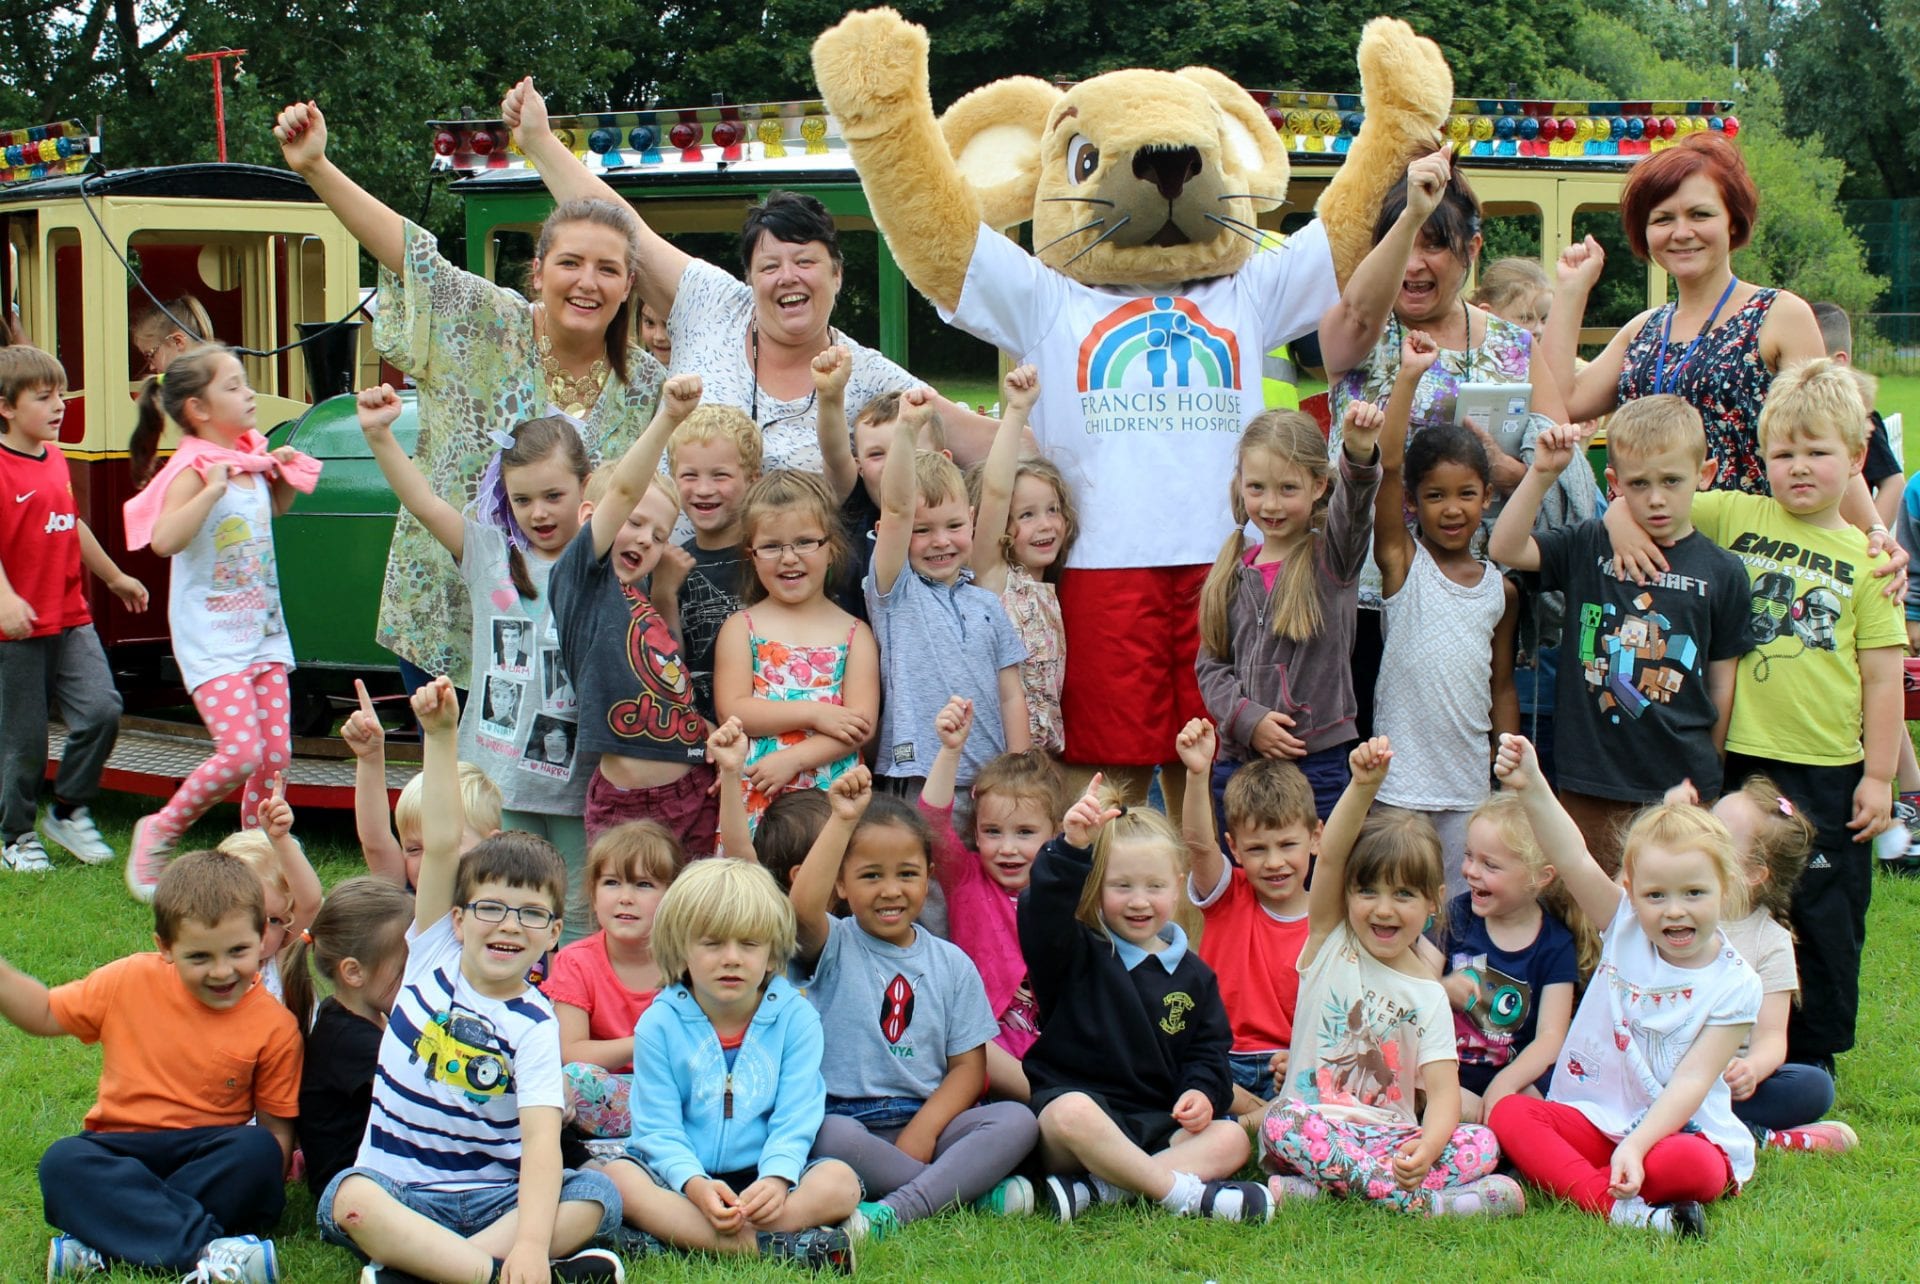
[459,1177]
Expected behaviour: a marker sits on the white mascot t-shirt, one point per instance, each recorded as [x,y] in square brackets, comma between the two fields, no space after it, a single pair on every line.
[1143,393]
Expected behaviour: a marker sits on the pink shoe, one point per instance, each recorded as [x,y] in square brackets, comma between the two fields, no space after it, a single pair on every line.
[146,860]
[1828,1134]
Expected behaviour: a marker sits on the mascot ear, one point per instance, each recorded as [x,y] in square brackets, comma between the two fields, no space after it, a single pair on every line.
[1254,153]
[994,134]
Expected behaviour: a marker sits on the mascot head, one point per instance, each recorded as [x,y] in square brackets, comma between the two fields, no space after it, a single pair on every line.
[1130,178]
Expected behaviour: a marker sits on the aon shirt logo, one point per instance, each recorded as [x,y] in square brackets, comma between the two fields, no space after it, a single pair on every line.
[57,523]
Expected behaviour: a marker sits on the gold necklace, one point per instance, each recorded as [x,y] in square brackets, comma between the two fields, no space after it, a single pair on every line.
[574,394]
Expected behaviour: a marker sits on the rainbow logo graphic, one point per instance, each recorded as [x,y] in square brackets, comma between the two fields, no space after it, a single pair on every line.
[1170,336]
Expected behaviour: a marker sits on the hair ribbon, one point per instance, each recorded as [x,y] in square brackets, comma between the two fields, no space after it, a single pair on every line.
[490,502]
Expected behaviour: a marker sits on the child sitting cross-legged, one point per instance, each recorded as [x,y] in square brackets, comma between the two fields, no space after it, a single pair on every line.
[1255,907]
[910,1019]
[1129,1074]
[727,1096]
[459,1176]
[167,1173]
[1372,1029]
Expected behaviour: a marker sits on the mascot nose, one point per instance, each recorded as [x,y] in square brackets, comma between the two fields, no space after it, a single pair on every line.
[1169,169]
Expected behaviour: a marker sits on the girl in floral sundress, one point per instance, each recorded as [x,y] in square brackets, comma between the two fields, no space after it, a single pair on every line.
[801,674]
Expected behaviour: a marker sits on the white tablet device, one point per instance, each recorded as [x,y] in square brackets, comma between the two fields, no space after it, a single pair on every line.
[1500,408]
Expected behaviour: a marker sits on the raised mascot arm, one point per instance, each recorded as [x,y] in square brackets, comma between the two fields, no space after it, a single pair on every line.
[1407,89]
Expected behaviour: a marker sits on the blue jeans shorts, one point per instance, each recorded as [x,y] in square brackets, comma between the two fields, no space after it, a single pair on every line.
[1252,1071]
[468,1212]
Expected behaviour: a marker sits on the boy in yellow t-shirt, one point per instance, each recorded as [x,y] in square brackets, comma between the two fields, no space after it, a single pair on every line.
[1818,700]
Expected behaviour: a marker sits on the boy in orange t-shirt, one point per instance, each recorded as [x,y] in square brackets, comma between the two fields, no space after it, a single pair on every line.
[168,1173]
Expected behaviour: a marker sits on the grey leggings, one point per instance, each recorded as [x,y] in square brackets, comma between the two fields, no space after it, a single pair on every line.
[975,1151]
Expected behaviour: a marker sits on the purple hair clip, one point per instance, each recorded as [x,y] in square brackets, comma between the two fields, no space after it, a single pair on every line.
[490,502]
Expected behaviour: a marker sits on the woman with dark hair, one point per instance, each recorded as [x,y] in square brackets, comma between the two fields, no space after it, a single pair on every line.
[753,343]
[1475,347]
[484,359]
[1718,347]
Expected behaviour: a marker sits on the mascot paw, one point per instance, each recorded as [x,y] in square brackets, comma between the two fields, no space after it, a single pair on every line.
[868,64]
[1404,73]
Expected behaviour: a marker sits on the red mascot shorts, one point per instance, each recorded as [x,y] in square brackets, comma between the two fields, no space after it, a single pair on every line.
[1132,636]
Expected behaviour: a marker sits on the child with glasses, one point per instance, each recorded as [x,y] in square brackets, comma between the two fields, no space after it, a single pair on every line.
[459,1176]
[293,889]
[801,675]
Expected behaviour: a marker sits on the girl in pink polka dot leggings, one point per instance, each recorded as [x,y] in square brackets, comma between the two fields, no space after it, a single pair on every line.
[218,496]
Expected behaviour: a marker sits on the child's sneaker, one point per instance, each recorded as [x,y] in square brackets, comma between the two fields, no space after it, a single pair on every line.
[824,1248]
[1287,1188]
[69,1259]
[1685,1219]
[631,1241]
[78,835]
[237,1259]
[589,1266]
[25,855]
[1012,1197]
[1236,1201]
[374,1273]
[1828,1134]
[1068,1197]
[1490,1196]
[872,1222]
[145,860]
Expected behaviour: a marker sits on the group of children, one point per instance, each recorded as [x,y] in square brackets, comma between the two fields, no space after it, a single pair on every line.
[942,980]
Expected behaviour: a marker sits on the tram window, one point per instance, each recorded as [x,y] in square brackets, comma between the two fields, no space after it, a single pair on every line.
[1621,294]
[1510,233]
[69,312]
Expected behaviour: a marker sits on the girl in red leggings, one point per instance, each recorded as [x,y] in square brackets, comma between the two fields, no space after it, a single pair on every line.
[1638,1123]
[211,510]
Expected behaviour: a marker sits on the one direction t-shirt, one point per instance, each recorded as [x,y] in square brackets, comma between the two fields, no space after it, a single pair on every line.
[1658,1011]
[521,726]
[711,593]
[1633,687]
[1255,954]
[635,696]
[1507,1016]
[1361,1032]
[895,1014]
[1144,392]
[456,1067]
[40,539]
[1814,606]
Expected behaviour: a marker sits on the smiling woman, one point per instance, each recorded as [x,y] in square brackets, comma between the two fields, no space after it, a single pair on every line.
[752,342]
[486,359]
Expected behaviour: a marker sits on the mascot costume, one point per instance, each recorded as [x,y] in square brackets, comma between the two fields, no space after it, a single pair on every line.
[1146,306]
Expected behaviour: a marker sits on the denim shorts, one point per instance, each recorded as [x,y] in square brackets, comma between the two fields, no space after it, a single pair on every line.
[1252,1071]
[468,1212]
[876,1112]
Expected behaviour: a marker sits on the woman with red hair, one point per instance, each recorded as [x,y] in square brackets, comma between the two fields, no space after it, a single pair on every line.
[1688,208]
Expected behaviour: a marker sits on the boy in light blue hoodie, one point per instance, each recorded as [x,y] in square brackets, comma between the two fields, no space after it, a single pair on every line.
[727,1093]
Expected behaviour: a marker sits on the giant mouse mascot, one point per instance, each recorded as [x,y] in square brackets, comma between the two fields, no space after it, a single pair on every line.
[1145,308]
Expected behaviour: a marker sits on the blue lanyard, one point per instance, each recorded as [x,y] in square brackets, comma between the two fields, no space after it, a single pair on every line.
[1661,373]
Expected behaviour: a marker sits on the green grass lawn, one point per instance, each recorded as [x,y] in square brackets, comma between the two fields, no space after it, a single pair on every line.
[1803,1216]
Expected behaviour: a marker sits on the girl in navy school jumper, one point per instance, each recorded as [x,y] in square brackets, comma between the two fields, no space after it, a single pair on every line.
[1129,1074]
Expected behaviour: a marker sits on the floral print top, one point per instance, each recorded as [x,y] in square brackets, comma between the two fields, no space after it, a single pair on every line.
[1726,380]
[1034,608]
[782,671]
[1504,355]
[469,346]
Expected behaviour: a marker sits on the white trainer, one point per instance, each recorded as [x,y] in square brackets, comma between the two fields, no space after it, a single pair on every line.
[78,835]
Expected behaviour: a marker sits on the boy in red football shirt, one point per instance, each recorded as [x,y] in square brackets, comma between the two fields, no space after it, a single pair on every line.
[48,648]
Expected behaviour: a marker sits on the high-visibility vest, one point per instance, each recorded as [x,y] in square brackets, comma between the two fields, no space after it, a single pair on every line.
[1279,379]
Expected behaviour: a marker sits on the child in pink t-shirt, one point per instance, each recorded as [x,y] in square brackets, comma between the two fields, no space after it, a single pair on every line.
[601,984]
[1017,806]
[1255,907]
